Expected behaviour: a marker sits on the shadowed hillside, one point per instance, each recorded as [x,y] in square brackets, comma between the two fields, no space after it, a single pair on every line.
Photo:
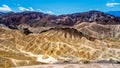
[38,19]
[56,45]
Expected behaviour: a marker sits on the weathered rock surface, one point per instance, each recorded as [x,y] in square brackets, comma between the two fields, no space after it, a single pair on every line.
[32,38]
[99,31]
[56,45]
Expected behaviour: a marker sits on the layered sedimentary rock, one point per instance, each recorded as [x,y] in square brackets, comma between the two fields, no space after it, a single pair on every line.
[57,45]
[99,31]
[31,38]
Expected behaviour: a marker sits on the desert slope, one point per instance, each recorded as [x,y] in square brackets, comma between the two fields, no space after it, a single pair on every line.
[99,31]
[55,45]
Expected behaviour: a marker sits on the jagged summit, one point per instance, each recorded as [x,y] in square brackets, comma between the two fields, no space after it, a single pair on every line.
[36,19]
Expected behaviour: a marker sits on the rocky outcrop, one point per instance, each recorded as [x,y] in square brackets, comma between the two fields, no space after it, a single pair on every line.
[56,45]
[99,31]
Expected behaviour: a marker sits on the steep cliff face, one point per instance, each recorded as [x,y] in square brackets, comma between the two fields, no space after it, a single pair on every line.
[55,45]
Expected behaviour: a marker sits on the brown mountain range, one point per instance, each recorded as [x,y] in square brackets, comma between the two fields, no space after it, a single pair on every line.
[37,19]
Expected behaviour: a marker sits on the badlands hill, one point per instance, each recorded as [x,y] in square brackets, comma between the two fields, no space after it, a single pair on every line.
[33,38]
[74,44]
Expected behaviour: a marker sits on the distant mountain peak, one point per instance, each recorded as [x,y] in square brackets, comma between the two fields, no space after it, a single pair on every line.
[94,11]
[39,19]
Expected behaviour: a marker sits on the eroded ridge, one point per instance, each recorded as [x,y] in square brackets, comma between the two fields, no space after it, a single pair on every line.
[54,46]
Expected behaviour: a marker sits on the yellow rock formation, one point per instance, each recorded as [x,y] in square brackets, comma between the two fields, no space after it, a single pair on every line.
[56,45]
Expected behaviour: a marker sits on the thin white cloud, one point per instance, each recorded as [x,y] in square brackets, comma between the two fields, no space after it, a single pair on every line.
[26,9]
[112,4]
[23,9]
[31,9]
[39,10]
[48,12]
[5,8]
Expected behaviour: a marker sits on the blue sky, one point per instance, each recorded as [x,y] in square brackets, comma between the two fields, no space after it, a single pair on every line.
[59,6]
